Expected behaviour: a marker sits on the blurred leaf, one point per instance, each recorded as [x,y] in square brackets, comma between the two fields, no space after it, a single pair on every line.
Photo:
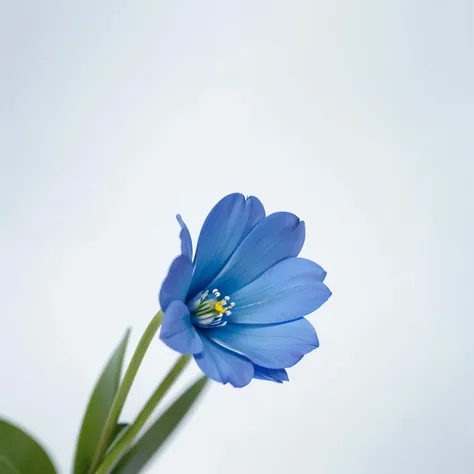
[153,439]
[119,428]
[98,409]
[21,454]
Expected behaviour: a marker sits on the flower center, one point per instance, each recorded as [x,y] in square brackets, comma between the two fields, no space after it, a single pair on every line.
[208,310]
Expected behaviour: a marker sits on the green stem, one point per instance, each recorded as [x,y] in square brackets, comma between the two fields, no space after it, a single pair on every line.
[125,386]
[131,432]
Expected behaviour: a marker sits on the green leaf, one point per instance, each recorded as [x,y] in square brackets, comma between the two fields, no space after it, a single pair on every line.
[98,410]
[153,439]
[20,453]
[119,428]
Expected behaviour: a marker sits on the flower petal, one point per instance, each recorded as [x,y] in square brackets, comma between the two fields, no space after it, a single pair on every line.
[273,375]
[185,236]
[273,346]
[223,365]
[256,213]
[277,237]
[176,284]
[289,290]
[228,223]
[177,330]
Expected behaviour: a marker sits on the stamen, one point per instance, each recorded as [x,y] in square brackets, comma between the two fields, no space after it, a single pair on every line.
[219,307]
[209,310]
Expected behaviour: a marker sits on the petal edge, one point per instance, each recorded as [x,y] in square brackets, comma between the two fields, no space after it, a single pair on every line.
[185,237]
[274,346]
[277,237]
[176,284]
[177,330]
[222,365]
[287,291]
[225,227]
[272,375]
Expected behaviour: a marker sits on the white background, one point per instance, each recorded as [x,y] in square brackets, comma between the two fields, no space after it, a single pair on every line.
[356,116]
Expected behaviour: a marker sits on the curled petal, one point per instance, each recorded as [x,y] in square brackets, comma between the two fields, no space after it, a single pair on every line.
[223,365]
[177,331]
[273,375]
[176,284]
[185,236]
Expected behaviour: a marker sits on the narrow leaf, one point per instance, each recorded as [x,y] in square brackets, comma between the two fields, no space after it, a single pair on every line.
[20,453]
[154,438]
[124,388]
[119,428]
[98,409]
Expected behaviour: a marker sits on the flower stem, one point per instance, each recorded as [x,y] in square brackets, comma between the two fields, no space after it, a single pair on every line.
[125,386]
[124,442]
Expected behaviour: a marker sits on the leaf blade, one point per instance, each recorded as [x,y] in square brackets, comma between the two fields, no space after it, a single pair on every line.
[154,438]
[118,431]
[98,408]
[20,453]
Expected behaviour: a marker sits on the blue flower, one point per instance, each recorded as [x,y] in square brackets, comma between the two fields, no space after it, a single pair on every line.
[239,306]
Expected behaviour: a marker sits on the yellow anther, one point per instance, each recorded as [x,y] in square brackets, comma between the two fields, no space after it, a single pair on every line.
[218,306]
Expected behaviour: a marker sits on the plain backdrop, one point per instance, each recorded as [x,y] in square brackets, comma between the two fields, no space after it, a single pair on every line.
[355,115]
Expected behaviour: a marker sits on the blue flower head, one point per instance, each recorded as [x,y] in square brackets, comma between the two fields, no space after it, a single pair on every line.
[239,306]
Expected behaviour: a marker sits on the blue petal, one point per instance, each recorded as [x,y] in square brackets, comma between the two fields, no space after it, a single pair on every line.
[185,236]
[176,283]
[273,375]
[256,213]
[177,331]
[289,290]
[223,365]
[274,346]
[228,223]
[277,237]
